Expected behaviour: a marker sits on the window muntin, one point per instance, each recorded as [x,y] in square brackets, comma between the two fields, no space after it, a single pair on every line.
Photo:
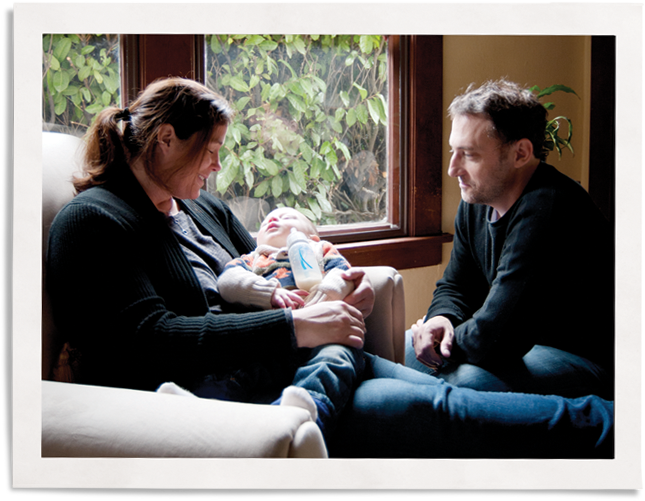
[311,127]
[80,78]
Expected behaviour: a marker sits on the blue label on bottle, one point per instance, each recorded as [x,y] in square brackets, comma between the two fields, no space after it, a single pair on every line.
[303,261]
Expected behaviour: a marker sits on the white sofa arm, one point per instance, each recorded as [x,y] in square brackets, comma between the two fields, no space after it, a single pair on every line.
[93,421]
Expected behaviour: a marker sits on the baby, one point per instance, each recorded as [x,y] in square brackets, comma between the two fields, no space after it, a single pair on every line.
[263,278]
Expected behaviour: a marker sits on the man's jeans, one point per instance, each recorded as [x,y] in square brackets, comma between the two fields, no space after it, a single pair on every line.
[396,411]
[399,412]
[543,370]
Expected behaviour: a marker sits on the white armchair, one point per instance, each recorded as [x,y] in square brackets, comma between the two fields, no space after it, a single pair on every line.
[92,421]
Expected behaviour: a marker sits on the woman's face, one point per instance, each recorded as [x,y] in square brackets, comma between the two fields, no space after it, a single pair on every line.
[189,180]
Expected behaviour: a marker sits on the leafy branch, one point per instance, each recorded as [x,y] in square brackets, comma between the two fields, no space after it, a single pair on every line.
[80,78]
[309,132]
[553,140]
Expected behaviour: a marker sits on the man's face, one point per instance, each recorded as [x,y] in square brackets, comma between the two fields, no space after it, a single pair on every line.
[481,164]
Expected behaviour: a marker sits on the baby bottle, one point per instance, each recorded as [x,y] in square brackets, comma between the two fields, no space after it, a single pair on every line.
[304,265]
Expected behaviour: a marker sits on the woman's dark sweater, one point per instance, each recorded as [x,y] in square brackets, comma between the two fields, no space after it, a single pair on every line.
[125,296]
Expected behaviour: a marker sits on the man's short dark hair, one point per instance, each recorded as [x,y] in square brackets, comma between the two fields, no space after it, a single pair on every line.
[515,112]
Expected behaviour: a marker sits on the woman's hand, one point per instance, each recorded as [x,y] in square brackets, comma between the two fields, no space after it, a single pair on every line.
[362,297]
[331,322]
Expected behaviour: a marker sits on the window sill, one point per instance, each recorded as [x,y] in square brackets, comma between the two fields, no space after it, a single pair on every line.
[400,253]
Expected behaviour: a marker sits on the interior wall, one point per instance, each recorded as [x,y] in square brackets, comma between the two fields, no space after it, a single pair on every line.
[527,60]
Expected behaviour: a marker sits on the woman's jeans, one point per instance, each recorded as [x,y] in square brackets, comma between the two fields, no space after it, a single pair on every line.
[543,370]
[330,373]
[399,412]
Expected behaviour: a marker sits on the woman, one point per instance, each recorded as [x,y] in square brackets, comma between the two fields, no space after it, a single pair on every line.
[132,273]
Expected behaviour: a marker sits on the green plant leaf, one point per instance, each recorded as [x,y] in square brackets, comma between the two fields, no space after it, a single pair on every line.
[276,92]
[84,72]
[249,178]
[382,108]
[315,208]
[362,113]
[72,90]
[555,88]
[238,83]
[261,189]
[317,167]
[276,186]
[215,45]
[344,96]
[94,108]
[372,105]
[254,40]
[61,81]
[54,64]
[111,83]
[254,81]
[361,90]
[307,213]
[350,118]
[60,107]
[332,158]
[230,169]
[307,152]
[294,187]
[349,60]
[366,44]
[342,147]
[268,45]
[325,205]
[62,48]
[300,45]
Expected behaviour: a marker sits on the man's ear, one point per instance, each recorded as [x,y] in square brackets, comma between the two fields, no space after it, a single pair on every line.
[523,152]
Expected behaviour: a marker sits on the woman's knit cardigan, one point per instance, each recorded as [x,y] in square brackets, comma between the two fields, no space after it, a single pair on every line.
[124,295]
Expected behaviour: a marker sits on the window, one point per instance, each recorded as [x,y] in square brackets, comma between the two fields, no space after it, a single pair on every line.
[80,78]
[310,129]
[412,235]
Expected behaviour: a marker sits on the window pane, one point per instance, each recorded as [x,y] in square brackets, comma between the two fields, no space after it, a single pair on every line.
[311,125]
[80,78]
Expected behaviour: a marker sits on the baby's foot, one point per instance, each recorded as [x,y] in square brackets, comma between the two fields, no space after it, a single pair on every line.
[299,397]
[173,389]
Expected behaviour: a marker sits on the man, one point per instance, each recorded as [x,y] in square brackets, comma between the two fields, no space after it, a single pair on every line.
[526,301]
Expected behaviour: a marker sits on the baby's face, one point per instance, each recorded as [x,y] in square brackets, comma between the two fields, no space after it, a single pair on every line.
[276,227]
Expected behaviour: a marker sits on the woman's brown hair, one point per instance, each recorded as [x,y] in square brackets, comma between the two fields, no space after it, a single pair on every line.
[191,108]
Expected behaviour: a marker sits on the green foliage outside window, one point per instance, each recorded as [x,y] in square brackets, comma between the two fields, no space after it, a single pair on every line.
[310,130]
[80,78]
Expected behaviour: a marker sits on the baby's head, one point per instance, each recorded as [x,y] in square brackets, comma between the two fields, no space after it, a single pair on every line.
[276,227]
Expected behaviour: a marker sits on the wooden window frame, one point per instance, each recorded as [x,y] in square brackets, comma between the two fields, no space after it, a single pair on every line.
[415,136]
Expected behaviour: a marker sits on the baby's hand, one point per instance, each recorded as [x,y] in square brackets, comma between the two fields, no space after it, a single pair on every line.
[283,298]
